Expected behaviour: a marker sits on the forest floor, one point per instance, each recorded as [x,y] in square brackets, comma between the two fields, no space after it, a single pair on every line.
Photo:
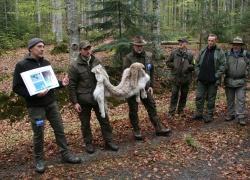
[194,150]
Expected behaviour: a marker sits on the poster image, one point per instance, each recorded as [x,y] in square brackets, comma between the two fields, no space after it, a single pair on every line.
[39,79]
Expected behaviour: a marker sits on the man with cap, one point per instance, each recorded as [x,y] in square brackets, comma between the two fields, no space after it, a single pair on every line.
[237,70]
[138,54]
[41,106]
[82,83]
[209,68]
[181,64]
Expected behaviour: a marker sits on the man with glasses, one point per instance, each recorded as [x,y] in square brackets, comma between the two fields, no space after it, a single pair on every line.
[236,74]
[209,68]
[138,54]
[82,83]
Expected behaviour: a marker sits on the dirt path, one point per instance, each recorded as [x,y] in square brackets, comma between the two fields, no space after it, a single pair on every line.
[222,150]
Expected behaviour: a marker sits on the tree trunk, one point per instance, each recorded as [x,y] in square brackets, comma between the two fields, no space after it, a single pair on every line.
[38,17]
[156,28]
[73,29]
[57,21]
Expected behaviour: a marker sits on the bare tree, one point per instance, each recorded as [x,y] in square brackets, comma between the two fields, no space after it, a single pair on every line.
[156,27]
[73,28]
[57,27]
[38,17]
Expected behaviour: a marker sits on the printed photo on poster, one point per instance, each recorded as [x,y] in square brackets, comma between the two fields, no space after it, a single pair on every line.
[39,79]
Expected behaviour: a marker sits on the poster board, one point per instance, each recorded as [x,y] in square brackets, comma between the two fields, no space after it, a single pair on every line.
[39,79]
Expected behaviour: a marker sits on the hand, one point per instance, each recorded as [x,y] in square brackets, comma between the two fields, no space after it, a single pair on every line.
[77,107]
[65,80]
[150,90]
[41,94]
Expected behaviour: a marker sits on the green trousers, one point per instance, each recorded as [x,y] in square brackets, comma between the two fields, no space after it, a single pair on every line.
[206,91]
[150,106]
[179,96]
[50,112]
[85,117]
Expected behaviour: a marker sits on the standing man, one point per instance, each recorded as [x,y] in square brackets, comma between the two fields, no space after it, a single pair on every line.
[139,55]
[82,83]
[41,106]
[209,68]
[237,71]
[181,64]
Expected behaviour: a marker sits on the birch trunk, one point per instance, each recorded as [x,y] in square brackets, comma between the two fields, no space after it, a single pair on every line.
[73,29]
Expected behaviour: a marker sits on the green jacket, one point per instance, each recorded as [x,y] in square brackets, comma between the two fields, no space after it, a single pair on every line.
[82,81]
[219,62]
[146,59]
[237,69]
[181,64]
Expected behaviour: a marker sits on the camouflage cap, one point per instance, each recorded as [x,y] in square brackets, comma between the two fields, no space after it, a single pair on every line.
[84,44]
[139,41]
[237,40]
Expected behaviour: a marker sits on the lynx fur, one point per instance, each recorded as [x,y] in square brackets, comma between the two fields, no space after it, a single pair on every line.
[133,82]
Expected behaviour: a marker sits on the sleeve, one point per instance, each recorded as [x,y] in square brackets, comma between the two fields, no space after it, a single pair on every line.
[191,62]
[222,62]
[126,63]
[197,64]
[73,81]
[18,85]
[170,60]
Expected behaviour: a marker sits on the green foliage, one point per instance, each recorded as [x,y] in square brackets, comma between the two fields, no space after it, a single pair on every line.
[12,107]
[191,141]
[61,48]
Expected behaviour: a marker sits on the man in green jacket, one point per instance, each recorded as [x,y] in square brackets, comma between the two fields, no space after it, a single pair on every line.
[82,83]
[181,64]
[139,55]
[237,71]
[41,106]
[209,68]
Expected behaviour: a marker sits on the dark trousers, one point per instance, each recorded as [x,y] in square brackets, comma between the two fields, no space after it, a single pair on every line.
[85,117]
[50,112]
[179,95]
[206,91]
[150,106]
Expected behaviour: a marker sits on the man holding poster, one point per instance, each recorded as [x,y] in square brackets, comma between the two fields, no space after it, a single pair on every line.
[41,105]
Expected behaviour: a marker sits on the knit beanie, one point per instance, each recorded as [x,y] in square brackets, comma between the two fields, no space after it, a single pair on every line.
[33,42]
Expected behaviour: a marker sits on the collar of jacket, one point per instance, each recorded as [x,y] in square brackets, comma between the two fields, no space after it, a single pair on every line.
[181,52]
[30,58]
[138,55]
[240,54]
[82,60]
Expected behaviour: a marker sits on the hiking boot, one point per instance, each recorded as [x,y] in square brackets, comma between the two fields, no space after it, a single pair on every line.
[197,117]
[138,135]
[111,146]
[69,158]
[229,117]
[242,122]
[160,130]
[40,166]
[90,148]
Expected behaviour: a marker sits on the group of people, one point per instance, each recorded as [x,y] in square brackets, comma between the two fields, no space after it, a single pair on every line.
[212,63]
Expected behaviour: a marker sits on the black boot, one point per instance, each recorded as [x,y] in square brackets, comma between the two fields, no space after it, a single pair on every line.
[90,148]
[208,119]
[111,146]
[160,130]
[242,121]
[70,158]
[138,135]
[197,117]
[40,166]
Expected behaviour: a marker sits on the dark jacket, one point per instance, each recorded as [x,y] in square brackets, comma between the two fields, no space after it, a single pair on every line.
[82,81]
[29,63]
[237,69]
[181,64]
[219,62]
[146,59]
